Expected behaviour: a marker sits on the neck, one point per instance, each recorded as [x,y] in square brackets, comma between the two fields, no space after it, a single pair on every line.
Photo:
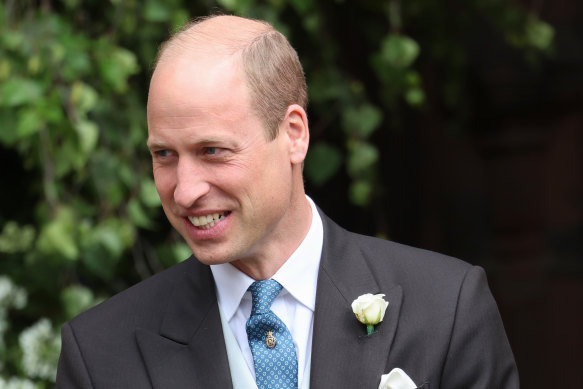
[295,232]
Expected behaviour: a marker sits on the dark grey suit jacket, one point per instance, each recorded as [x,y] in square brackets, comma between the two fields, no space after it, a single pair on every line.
[442,326]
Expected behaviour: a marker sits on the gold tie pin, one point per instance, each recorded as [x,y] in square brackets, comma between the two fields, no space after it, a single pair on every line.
[270,340]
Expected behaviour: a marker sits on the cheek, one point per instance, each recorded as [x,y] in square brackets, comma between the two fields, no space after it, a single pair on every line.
[165,183]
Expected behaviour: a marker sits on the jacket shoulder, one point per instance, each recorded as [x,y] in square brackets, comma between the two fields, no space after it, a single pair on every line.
[142,304]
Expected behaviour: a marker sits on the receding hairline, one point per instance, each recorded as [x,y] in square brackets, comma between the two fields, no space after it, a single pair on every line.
[217,34]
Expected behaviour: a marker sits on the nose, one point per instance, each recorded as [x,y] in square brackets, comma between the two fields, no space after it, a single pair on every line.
[191,184]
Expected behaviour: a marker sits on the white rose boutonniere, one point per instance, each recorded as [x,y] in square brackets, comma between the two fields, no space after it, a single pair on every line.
[370,310]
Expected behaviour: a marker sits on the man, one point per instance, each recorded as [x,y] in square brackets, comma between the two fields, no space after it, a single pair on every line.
[228,133]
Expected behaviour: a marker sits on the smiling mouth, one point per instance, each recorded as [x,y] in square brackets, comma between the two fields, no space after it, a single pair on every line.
[207,221]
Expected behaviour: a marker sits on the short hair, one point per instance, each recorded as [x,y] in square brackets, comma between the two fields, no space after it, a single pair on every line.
[272,69]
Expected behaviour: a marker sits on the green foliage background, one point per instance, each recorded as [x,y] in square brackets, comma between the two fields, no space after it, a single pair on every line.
[80,217]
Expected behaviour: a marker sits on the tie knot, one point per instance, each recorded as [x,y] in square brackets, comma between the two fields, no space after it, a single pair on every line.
[263,294]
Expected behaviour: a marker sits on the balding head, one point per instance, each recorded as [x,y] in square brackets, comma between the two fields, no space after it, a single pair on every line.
[270,65]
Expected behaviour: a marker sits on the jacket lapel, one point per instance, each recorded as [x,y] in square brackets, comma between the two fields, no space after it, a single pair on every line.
[343,356]
[189,350]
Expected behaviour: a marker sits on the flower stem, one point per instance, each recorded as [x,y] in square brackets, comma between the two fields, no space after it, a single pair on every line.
[369,329]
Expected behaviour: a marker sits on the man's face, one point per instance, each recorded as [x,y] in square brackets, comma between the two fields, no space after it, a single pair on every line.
[224,187]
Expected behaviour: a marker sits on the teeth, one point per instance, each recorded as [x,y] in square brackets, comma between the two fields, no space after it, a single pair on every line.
[206,222]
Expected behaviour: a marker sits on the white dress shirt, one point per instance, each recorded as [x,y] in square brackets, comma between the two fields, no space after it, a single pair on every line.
[295,303]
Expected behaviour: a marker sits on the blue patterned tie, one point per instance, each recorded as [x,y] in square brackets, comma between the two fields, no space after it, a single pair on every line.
[274,353]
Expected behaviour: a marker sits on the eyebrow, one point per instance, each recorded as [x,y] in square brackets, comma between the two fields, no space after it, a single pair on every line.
[157,144]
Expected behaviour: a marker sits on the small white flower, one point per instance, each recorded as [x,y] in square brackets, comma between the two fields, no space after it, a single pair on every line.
[40,346]
[11,295]
[370,309]
[16,383]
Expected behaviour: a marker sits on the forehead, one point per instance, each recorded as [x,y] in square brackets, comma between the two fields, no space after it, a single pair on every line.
[200,96]
[197,82]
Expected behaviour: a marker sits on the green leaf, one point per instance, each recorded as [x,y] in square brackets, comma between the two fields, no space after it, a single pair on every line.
[138,215]
[156,11]
[58,235]
[71,4]
[34,64]
[238,6]
[76,299]
[360,192]
[302,6]
[399,51]
[18,91]
[361,121]
[29,122]
[322,162]
[107,235]
[117,66]
[181,251]
[11,39]
[5,69]
[51,110]
[84,97]
[361,157]
[179,18]
[16,239]
[149,194]
[415,96]
[326,85]
[105,169]
[69,158]
[88,133]
[9,126]
[76,64]
[539,34]
[412,78]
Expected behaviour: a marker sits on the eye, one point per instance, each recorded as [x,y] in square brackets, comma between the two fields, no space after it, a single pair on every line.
[213,151]
[162,153]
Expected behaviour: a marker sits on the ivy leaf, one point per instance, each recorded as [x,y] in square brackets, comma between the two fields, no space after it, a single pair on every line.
[539,34]
[327,85]
[399,51]
[69,158]
[107,235]
[149,194]
[76,299]
[16,239]
[29,123]
[361,157]
[18,91]
[360,192]
[238,6]
[58,235]
[361,121]
[180,251]
[9,120]
[302,6]
[11,39]
[138,215]
[88,133]
[415,96]
[156,11]
[117,66]
[322,162]
[84,97]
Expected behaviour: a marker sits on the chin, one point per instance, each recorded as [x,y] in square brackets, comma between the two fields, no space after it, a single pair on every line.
[207,259]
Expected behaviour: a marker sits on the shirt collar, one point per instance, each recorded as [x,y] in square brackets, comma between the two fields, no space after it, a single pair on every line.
[298,275]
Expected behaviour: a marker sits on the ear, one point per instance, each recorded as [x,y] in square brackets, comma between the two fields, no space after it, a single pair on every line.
[296,128]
